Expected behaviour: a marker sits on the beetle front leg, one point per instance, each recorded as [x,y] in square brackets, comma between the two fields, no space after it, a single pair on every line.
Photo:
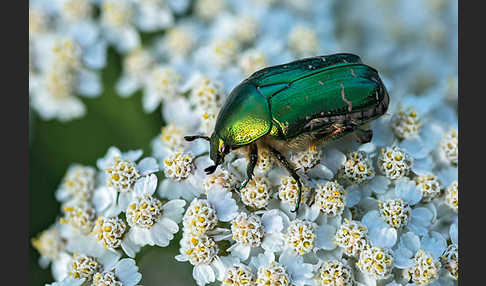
[251,165]
[292,172]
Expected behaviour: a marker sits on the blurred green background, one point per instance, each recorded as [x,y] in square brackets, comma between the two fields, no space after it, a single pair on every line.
[110,121]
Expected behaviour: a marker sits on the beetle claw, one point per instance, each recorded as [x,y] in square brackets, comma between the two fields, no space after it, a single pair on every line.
[209,170]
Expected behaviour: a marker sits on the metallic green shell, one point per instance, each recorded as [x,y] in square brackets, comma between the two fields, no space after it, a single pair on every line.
[307,95]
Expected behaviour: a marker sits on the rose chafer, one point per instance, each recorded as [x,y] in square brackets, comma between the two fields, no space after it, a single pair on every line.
[295,105]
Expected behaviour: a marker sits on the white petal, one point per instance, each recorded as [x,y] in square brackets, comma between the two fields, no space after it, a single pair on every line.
[333,159]
[225,205]
[241,251]
[174,210]
[373,219]
[147,165]
[383,236]
[127,272]
[402,258]
[410,241]
[124,200]
[147,184]
[421,216]
[454,234]
[407,190]
[273,242]
[321,172]
[130,248]
[132,155]
[378,185]
[414,147]
[325,237]
[353,195]
[126,86]
[89,83]
[69,281]
[203,274]
[423,166]
[435,244]
[272,221]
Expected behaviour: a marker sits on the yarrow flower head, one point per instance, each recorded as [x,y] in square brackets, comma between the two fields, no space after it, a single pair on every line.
[109,231]
[84,266]
[449,146]
[334,273]
[50,244]
[198,249]
[425,269]
[288,191]
[303,41]
[256,194]
[301,236]
[394,162]
[79,183]
[330,198]
[452,196]
[352,237]
[358,168]
[376,261]
[179,166]
[144,211]
[429,186]
[406,123]
[307,159]
[395,212]
[200,217]
[247,229]
[238,275]
[80,216]
[122,175]
[172,136]
[273,274]
[450,260]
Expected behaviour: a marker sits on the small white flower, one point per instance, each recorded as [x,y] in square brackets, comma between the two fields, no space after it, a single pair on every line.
[50,245]
[450,260]
[238,275]
[289,270]
[84,266]
[429,186]
[257,192]
[352,237]
[394,162]
[303,41]
[79,182]
[452,196]
[252,60]
[376,262]
[179,166]
[162,84]
[123,273]
[109,231]
[288,191]
[199,217]
[334,273]
[79,215]
[449,146]
[208,9]
[330,198]
[358,168]
[306,159]
[406,123]
[151,222]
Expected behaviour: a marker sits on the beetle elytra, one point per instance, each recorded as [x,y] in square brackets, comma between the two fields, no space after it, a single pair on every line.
[295,105]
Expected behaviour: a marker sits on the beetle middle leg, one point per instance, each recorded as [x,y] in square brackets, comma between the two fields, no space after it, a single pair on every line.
[292,172]
[251,165]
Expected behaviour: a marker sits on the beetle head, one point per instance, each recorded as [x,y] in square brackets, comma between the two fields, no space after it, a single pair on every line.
[217,150]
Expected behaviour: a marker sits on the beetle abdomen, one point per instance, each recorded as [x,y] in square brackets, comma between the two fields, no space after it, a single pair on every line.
[333,95]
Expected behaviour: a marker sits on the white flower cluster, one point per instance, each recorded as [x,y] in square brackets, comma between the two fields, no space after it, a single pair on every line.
[108,212]
[380,213]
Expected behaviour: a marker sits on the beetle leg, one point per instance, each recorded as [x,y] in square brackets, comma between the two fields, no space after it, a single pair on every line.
[251,165]
[292,172]
[363,136]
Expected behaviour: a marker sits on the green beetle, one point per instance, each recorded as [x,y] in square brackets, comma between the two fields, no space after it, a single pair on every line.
[296,105]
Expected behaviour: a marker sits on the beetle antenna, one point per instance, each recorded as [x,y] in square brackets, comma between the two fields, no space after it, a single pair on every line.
[192,138]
